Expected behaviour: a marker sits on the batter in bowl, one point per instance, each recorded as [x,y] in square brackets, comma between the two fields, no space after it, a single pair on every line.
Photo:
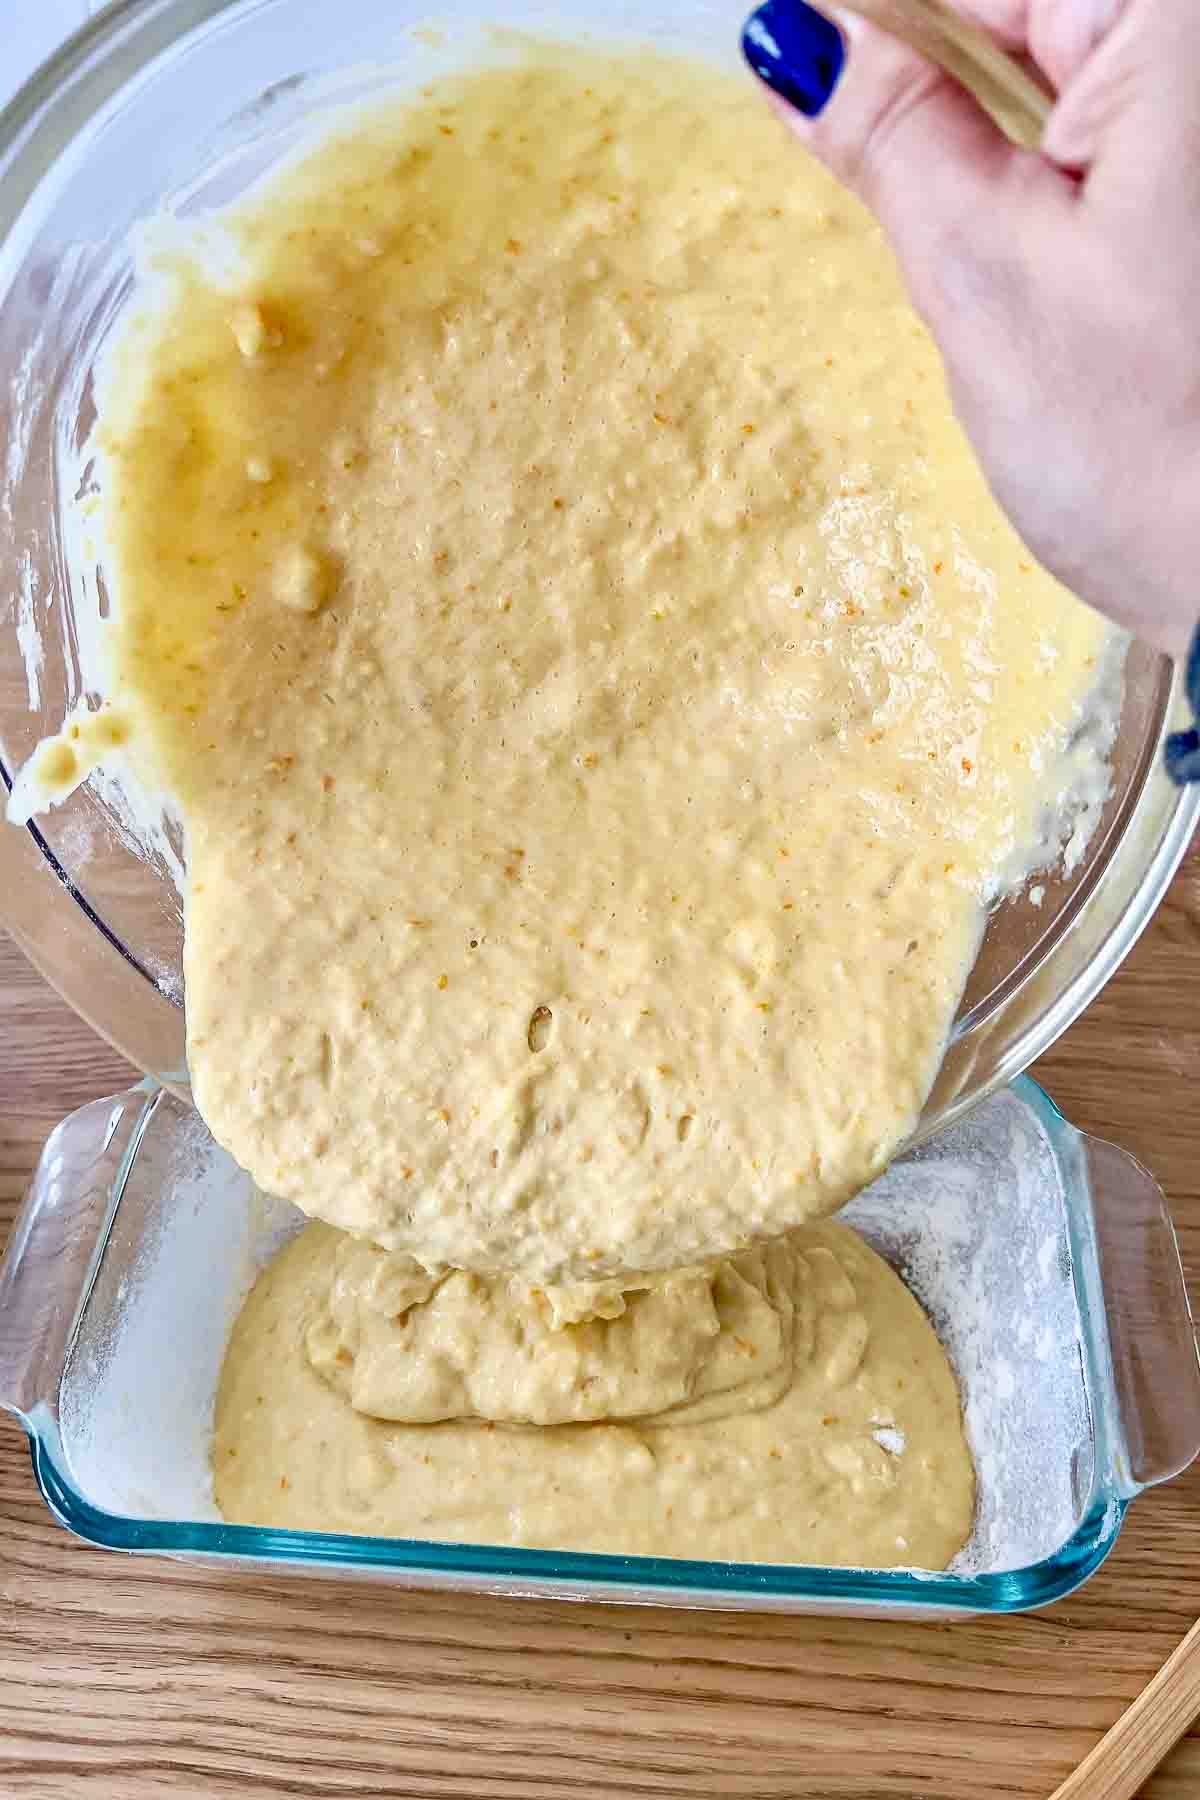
[599,690]
[788,1405]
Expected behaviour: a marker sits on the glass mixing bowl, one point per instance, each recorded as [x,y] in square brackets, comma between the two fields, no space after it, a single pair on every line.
[182,103]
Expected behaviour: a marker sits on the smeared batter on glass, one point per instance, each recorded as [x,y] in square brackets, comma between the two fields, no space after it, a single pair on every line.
[597,684]
[788,1405]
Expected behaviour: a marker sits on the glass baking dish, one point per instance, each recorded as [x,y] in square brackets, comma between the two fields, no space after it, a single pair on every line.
[1045,1258]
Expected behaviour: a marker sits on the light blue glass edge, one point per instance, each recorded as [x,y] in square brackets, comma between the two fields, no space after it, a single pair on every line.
[576,1573]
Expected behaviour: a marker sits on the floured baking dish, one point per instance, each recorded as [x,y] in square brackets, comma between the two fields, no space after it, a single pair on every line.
[1046,1260]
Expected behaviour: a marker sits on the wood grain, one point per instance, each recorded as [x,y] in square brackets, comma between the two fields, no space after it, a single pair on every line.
[137,1679]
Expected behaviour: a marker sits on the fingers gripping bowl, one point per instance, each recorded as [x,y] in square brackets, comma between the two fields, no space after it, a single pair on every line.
[1011,985]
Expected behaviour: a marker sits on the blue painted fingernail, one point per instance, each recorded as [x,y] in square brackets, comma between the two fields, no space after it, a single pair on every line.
[1192,673]
[797,51]
[1183,747]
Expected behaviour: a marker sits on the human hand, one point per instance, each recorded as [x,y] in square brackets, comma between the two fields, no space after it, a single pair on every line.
[1063,287]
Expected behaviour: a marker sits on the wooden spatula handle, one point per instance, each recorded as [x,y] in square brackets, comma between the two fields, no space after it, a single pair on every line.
[1124,1759]
[1016,97]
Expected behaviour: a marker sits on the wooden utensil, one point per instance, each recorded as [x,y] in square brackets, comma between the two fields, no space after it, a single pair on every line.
[1017,98]
[1128,1754]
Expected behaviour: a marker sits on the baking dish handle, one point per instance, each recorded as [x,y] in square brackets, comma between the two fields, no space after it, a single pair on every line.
[1152,1335]
[56,1241]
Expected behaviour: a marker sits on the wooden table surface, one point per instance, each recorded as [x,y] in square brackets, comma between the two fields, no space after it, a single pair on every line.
[135,1679]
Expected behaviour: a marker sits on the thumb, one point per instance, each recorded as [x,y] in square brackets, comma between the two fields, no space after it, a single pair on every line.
[940,175]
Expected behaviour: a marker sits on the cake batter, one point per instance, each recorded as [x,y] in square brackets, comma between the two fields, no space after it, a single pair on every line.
[789,1405]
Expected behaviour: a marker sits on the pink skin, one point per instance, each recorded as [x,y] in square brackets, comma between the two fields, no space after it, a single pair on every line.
[1063,288]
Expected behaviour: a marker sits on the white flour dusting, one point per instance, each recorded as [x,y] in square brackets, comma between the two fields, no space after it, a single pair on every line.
[976,1223]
